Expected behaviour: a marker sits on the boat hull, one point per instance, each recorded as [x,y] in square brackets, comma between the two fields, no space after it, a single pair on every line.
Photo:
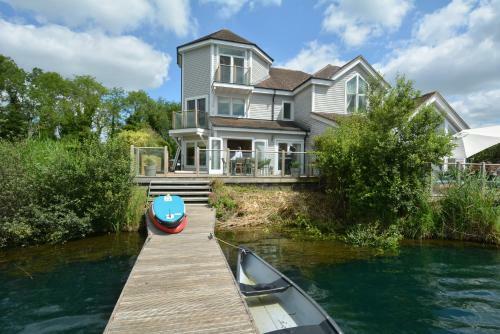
[171,228]
[276,303]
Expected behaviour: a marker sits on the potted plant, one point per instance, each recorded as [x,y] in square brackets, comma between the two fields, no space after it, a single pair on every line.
[295,168]
[149,167]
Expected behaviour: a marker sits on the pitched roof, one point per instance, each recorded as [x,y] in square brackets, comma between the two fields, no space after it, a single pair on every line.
[327,72]
[255,123]
[332,116]
[227,36]
[283,79]
[424,97]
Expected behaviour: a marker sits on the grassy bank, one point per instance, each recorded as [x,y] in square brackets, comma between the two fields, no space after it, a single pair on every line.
[467,212]
[53,191]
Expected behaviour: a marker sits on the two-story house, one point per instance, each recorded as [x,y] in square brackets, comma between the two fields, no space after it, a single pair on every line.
[233,98]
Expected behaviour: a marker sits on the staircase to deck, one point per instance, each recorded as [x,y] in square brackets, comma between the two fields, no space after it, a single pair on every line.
[191,191]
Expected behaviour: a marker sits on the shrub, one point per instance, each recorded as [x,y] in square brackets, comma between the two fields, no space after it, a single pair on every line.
[372,235]
[52,191]
[135,209]
[221,200]
[470,210]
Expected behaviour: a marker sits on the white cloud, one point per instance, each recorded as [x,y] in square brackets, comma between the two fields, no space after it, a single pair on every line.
[460,58]
[123,61]
[228,8]
[313,57]
[357,20]
[114,16]
[481,108]
[443,23]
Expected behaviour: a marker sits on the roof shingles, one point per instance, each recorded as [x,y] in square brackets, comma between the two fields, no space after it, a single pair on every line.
[249,123]
[283,79]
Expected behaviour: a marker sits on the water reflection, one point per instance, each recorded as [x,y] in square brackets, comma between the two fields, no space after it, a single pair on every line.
[69,288]
[427,287]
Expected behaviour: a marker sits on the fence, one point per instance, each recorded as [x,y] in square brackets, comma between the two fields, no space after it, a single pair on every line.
[149,161]
[256,163]
[448,174]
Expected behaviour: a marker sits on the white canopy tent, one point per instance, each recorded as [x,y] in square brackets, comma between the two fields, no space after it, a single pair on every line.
[471,141]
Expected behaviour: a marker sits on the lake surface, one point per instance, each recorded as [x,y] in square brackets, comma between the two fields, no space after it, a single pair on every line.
[69,288]
[429,287]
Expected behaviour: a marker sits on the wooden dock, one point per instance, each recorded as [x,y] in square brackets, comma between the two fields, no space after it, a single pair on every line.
[181,284]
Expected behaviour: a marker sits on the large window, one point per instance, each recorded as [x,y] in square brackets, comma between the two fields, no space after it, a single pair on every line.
[191,150]
[356,94]
[196,108]
[230,106]
[287,111]
[231,64]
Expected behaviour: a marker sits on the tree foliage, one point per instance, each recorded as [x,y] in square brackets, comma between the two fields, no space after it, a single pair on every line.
[43,105]
[377,163]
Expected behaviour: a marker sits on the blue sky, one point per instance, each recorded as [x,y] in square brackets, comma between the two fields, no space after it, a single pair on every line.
[449,46]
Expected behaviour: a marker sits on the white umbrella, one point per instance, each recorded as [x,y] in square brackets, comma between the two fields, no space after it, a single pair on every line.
[472,141]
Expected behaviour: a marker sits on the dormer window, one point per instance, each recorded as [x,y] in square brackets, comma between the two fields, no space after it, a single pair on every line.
[356,89]
[232,66]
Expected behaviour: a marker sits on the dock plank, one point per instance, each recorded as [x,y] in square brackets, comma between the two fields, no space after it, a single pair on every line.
[181,284]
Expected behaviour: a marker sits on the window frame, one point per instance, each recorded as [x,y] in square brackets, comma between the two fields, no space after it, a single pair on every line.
[357,76]
[231,114]
[291,110]
[232,66]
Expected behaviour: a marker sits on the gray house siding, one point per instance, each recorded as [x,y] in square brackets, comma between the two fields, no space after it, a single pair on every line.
[260,69]
[260,106]
[332,99]
[303,107]
[316,128]
[196,72]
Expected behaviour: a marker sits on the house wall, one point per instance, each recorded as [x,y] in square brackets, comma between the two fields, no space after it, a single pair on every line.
[332,99]
[260,69]
[196,73]
[316,128]
[303,106]
[260,106]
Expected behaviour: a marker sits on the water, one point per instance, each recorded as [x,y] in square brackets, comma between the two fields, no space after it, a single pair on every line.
[430,287]
[70,288]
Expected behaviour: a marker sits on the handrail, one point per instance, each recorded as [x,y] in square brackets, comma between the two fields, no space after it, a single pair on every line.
[189,119]
[232,74]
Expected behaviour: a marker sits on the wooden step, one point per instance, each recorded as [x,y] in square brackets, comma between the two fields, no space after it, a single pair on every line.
[179,193]
[180,182]
[179,187]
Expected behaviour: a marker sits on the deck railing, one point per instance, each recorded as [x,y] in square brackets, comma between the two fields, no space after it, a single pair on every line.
[232,74]
[454,173]
[260,163]
[189,119]
[149,161]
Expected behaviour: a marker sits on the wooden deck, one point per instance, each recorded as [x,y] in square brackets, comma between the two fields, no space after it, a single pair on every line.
[181,284]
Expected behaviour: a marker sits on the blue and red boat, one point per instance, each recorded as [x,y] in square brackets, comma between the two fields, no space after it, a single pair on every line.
[168,214]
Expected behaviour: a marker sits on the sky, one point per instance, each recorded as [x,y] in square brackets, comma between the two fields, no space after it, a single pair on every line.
[449,46]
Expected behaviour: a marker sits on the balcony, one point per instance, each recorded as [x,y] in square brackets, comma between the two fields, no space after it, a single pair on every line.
[232,79]
[189,119]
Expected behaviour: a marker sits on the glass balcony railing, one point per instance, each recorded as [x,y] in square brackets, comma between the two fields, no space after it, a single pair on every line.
[232,74]
[189,119]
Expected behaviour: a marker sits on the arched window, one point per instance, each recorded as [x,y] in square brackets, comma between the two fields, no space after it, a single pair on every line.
[356,89]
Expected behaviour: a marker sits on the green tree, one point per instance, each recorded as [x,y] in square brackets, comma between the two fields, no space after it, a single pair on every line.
[377,163]
[15,118]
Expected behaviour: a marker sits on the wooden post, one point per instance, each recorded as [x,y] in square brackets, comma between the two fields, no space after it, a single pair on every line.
[458,172]
[282,163]
[132,160]
[228,162]
[197,160]
[483,174]
[255,163]
[165,162]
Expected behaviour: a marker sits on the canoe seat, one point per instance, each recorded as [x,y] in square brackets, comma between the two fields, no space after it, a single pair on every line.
[322,328]
[279,285]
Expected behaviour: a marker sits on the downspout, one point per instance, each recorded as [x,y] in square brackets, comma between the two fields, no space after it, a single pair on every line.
[272,105]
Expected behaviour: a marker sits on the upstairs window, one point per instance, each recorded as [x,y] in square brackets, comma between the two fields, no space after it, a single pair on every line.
[356,89]
[287,111]
[230,106]
[231,66]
